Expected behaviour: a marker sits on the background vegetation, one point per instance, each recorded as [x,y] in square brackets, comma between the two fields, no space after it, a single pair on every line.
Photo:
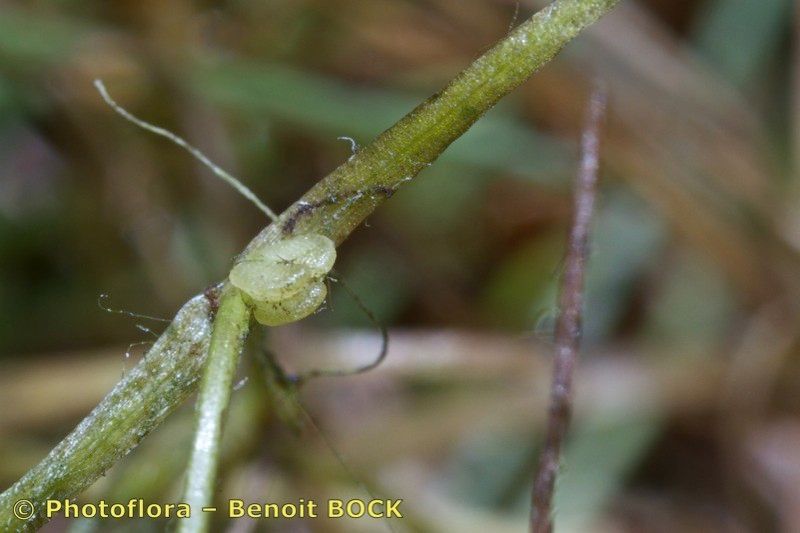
[687,398]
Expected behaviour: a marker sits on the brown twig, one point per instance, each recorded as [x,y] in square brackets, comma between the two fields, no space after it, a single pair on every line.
[568,326]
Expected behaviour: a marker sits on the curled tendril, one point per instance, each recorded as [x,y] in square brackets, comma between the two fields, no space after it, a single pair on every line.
[298,380]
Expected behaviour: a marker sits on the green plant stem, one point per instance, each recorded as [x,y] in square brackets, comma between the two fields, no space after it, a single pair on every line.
[227,340]
[417,140]
[136,405]
[334,207]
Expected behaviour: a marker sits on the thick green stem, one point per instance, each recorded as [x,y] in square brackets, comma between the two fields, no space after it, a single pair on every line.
[227,340]
[138,404]
[341,201]
[334,207]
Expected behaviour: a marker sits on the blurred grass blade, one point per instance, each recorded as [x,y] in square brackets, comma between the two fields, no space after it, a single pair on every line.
[332,108]
[740,37]
[26,38]
[596,463]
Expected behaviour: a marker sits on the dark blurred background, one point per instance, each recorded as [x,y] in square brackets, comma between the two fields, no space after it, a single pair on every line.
[688,402]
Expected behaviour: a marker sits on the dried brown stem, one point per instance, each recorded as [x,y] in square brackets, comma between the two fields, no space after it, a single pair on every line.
[568,326]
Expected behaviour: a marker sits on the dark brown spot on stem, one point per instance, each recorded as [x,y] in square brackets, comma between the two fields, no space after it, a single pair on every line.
[306,208]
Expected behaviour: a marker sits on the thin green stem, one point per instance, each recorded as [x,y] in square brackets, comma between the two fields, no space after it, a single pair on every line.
[227,340]
[334,207]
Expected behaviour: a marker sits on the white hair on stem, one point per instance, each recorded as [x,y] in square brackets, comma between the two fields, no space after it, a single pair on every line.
[514,17]
[353,145]
[195,152]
